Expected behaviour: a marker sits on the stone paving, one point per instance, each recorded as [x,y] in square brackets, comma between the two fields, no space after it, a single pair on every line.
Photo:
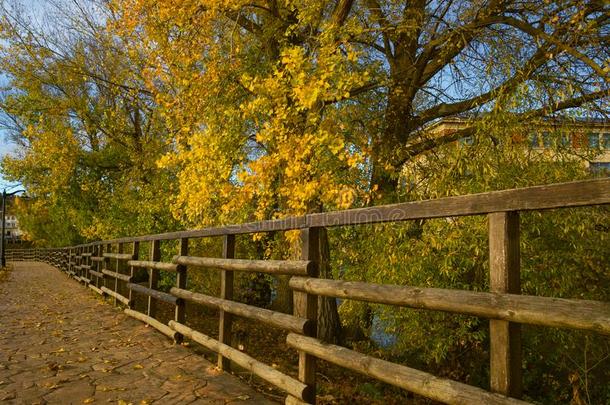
[62,344]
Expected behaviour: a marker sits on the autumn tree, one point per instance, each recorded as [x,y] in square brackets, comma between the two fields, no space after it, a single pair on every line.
[291,107]
[87,134]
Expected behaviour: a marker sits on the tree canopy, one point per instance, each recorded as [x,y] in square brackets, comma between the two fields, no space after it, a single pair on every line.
[253,110]
[313,104]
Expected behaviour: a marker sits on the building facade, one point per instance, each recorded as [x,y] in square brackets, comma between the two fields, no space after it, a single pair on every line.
[585,135]
[12,233]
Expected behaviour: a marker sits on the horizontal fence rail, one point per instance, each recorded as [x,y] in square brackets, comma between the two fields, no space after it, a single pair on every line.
[110,269]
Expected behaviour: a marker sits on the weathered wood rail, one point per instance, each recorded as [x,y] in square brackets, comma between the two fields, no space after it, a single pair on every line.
[98,265]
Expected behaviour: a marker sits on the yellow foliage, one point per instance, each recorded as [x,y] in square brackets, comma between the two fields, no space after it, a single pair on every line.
[255,137]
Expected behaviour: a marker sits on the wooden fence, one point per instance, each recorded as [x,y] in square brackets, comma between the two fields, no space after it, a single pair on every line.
[98,266]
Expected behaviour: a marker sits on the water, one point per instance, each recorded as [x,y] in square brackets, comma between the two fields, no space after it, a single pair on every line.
[379,335]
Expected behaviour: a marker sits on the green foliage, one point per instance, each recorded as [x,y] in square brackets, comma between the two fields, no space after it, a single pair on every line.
[564,253]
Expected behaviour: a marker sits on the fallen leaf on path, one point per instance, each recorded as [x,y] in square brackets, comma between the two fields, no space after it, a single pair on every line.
[52,366]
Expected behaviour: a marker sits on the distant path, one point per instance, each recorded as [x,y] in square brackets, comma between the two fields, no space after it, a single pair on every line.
[59,344]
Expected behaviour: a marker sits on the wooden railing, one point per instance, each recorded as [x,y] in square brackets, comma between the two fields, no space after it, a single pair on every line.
[97,265]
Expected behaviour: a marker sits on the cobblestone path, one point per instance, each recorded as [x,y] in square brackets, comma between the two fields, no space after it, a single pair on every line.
[61,344]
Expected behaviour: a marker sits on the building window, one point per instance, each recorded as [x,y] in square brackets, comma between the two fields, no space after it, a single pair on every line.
[534,141]
[546,139]
[606,141]
[593,140]
[600,167]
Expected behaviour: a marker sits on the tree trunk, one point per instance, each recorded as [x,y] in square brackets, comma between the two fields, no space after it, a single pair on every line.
[283,300]
[283,293]
[329,324]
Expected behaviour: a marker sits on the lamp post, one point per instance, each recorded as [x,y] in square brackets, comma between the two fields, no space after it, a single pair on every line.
[2,243]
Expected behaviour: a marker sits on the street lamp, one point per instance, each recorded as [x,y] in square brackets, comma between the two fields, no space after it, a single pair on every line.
[2,244]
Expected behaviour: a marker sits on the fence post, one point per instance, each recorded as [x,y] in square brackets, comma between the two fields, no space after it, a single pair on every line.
[135,252]
[98,253]
[88,262]
[180,315]
[306,306]
[226,292]
[117,268]
[79,262]
[106,263]
[153,276]
[505,337]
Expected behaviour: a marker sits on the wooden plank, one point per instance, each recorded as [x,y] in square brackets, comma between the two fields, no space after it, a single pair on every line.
[251,227]
[504,336]
[273,376]
[166,330]
[97,290]
[572,194]
[419,382]
[545,311]
[118,256]
[287,267]
[115,295]
[120,276]
[226,292]
[153,265]
[273,318]
[152,293]
[290,400]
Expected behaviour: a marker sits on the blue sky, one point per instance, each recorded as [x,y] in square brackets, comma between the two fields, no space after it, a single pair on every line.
[34,7]
[5,147]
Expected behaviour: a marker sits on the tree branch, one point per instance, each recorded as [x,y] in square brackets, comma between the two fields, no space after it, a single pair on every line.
[443,110]
[341,11]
